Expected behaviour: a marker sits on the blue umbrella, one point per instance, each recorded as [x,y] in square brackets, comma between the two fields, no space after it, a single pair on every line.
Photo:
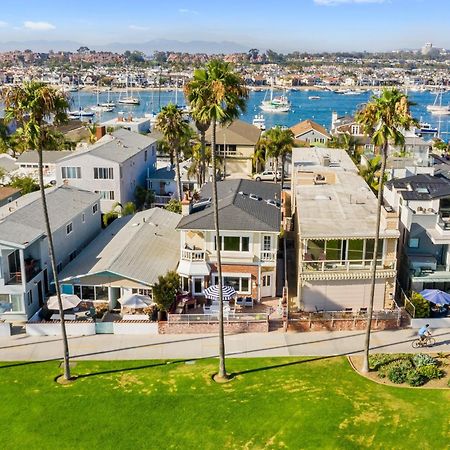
[212,292]
[436,296]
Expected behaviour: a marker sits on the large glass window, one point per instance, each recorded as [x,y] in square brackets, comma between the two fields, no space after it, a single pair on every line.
[103,173]
[88,292]
[334,249]
[355,249]
[101,293]
[316,250]
[240,284]
[11,302]
[370,244]
[231,243]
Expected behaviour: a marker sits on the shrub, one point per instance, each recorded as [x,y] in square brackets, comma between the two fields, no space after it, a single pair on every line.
[422,359]
[422,306]
[416,378]
[431,372]
[397,371]
[378,360]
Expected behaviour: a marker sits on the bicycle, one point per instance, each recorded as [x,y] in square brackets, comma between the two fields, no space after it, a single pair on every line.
[427,341]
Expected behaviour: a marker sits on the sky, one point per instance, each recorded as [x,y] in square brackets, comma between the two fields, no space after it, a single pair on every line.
[282,25]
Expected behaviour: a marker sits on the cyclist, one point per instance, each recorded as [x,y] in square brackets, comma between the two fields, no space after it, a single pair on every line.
[424,332]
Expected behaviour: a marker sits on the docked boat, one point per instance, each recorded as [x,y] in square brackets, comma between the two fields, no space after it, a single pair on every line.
[437,107]
[314,97]
[259,122]
[78,114]
[129,99]
[99,107]
[426,128]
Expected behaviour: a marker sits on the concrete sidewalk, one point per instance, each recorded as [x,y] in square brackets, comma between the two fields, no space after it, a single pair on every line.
[108,347]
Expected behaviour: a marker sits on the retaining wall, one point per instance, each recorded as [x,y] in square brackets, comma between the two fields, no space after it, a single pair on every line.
[203,328]
[5,329]
[53,328]
[340,325]
[135,327]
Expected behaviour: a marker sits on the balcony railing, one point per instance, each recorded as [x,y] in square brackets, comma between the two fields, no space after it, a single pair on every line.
[268,256]
[193,255]
[345,265]
[444,222]
[162,199]
[32,268]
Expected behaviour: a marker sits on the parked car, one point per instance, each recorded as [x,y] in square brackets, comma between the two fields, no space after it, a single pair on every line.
[267,175]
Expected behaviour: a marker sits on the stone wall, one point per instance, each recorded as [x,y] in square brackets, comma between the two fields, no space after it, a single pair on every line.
[203,327]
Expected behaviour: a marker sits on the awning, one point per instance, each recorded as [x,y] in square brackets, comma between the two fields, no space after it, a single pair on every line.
[190,268]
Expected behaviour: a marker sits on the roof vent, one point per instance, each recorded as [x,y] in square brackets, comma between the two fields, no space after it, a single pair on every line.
[254,197]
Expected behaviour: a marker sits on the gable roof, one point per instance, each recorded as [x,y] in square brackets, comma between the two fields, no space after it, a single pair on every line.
[237,133]
[139,247]
[237,210]
[118,146]
[307,125]
[27,223]
[48,156]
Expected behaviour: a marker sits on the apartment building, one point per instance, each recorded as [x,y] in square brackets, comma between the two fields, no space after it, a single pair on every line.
[335,221]
[112,167]
[250,222]
[25,269]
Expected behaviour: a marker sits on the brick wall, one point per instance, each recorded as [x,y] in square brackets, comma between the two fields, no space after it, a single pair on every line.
[341,325]
[201,328]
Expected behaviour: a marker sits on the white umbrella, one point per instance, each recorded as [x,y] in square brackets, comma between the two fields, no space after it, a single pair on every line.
[136,301]
[212,292]
[69,301]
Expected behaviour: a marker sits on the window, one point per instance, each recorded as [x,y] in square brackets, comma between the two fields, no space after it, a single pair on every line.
[94,208]
[69,228]
[370,243]
[71,172]
[101,293]
[30,298]
[83,218]
[234,243]
[266,280]
[147,292]
[245,243]
[88,292]
[197,284]
[145,156]
[413,242]
[267,243]
[355,249]
[11,302]
[106,195]
[103,173]
[240,284]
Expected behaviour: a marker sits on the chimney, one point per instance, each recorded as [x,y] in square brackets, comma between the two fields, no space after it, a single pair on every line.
[100,132]
[334,118]
[186,204]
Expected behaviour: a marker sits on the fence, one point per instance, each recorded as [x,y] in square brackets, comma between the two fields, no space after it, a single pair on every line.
[214,318]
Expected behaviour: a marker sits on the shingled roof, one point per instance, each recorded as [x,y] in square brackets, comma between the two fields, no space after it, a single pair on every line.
[421,187]
[308,125]
[243,206]
[237,133]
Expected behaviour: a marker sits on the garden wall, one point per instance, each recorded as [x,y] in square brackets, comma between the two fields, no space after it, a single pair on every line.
[5,329]
[203,328]
[53,328]
[443,322]
[135,327]
[340,325]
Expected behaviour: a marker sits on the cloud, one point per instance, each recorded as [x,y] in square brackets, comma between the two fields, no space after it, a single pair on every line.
[138,28]
[38,26]
[3,24]
[188,11]
[342,2]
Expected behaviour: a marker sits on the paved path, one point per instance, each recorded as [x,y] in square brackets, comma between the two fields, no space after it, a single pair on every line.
[321,343]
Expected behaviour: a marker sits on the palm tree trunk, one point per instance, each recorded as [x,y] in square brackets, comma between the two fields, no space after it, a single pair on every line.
[202,165]
[365,366]
[51,252]
[282,171]
[178,175]
[222,369]
[276,169]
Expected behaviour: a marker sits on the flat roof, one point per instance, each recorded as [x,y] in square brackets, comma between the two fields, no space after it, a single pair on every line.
[341,207]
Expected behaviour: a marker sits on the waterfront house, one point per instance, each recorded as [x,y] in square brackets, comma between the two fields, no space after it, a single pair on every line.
[25,269]
[236,146]
[127,257]
[423,204]
[335,221]
[310,132]
[250,222]
[112,167]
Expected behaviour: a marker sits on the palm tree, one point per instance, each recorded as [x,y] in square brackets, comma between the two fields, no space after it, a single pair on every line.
[277,143]
[371,173]
[32,105]
[172,125]
[383,118]
[216,94]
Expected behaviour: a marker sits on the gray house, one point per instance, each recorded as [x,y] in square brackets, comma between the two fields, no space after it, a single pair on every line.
[25,269]
[112,167]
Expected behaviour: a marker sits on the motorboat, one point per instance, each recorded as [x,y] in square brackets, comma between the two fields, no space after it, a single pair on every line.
[259,122]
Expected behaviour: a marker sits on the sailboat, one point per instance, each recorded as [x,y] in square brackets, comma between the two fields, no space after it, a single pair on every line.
[278,104]
[99,107]
[129,99]
[108,103]
[437,107]
[80,112]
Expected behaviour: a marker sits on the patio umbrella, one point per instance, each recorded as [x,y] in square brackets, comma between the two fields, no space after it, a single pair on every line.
[212,292]
[69,301]
[436,296]
[136,301]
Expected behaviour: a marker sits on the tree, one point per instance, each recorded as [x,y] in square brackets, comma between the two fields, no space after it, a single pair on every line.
[128,209]
[277,143]
[144,197]
[165,290]
[26,184]
[32,105]
[174,206]
[174,128]
[371,173]
[217,94]
[383,118]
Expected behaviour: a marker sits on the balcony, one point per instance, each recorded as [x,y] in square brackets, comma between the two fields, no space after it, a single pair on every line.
[268,256]
[32,268]
[345,265]
[193,255]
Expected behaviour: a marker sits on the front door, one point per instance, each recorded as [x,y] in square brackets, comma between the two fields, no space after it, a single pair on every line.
[267,284]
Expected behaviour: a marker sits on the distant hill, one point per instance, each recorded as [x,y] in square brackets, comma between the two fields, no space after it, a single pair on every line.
[147,47]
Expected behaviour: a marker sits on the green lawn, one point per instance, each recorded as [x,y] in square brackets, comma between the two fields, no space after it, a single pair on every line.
[273,403]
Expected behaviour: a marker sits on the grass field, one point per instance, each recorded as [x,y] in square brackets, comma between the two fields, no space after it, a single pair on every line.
[272,403]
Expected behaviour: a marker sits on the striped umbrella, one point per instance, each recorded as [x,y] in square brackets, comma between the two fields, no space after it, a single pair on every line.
[212,292]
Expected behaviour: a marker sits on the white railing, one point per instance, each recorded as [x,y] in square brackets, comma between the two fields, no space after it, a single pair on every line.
[162,199]
[214,318]
[268,256]
[345,265]
[193,255]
